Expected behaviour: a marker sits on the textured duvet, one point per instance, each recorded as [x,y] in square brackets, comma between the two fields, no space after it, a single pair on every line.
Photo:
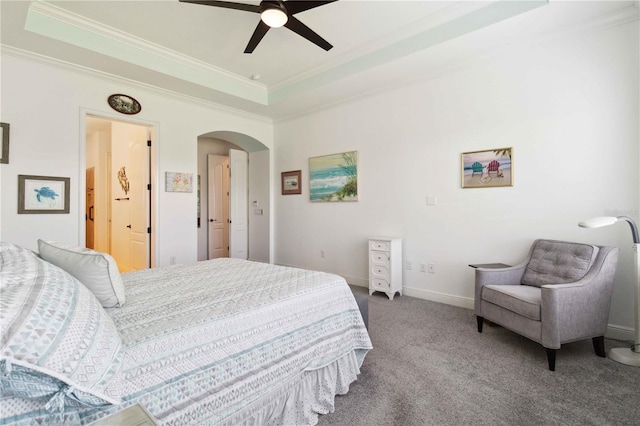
[229,341]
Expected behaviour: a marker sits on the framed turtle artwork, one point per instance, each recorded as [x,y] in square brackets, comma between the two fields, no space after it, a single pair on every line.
[43,194]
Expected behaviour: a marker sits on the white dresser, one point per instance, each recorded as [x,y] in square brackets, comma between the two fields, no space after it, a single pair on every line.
[385,265]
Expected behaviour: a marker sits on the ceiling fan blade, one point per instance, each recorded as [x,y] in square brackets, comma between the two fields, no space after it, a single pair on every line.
[299,28]
[258,34]
[226,4]
[294,6]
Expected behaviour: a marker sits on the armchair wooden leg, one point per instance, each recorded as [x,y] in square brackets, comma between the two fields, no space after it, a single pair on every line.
[598,345]
[480,321]
[551,357]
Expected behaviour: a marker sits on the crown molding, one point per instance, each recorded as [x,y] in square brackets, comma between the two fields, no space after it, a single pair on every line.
[600,23]
[101,75]
[441,17]
[476,19]
[54,22]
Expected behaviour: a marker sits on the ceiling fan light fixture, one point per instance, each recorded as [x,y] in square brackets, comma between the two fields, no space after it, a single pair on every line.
[273,16]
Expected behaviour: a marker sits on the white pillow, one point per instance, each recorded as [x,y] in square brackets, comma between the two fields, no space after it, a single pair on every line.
[58,343]
[97,271]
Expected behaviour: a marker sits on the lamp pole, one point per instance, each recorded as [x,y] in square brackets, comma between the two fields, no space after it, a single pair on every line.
[628,356]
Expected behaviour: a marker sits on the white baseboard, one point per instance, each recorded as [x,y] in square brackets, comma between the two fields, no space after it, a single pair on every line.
[462,302]
[434,296]
[619,332]
[358,282]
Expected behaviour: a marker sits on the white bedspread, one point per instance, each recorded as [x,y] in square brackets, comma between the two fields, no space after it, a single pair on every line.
[229,341]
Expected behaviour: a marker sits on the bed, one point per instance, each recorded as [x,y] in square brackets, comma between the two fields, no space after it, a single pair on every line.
[219,342]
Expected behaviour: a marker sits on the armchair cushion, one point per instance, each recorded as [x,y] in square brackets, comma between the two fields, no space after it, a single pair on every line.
[521,299]
[558,262]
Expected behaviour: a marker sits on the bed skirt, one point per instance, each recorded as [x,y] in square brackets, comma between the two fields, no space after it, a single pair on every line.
[303,398]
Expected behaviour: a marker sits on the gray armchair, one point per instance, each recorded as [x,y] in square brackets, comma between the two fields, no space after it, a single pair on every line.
[561,293]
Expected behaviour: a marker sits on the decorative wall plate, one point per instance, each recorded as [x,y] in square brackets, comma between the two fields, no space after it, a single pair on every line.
[124,104]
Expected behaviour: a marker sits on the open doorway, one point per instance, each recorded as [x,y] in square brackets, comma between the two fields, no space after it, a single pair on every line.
[118,191]
[233,202]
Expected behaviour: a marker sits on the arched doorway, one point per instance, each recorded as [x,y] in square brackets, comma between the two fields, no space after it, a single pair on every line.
[258,191]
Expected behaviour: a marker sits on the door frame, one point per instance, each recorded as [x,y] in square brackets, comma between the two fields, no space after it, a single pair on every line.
[154,178]
[89,213]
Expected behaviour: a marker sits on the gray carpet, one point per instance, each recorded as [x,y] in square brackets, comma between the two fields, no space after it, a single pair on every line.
[430,366]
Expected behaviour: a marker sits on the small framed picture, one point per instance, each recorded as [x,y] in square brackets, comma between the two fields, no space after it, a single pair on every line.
[4,137]
[292,182]
[178,182]
[488,168]
[43,194]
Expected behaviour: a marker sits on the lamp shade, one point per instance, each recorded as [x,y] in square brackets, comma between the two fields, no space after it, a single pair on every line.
[274,17]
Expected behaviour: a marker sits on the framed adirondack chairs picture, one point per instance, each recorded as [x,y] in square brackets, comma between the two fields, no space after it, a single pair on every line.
[488,168]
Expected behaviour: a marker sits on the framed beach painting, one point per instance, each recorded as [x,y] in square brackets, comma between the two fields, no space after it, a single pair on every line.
[488,168]
[334,177]
[43,194]
[292,182]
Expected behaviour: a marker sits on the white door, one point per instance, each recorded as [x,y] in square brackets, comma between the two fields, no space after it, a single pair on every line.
[218,206]
[239,204]
[139,201]
[120,195]
[130,196]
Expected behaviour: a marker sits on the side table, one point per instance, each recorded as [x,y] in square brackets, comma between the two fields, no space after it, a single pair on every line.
[490,265]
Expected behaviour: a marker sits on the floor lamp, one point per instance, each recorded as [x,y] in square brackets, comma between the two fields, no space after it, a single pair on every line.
[629,356]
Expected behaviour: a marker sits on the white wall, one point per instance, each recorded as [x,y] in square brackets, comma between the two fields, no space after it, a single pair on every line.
[46,105]
[568,107]
[259,206]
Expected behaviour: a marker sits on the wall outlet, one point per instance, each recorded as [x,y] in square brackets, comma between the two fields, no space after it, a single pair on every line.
[423,267]
[431,268]
[172,260]
[322,253]
[408,265]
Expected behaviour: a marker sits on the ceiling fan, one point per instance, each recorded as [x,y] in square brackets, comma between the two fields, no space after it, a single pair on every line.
[275,14]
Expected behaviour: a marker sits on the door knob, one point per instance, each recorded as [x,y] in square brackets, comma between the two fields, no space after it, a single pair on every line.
[129,226]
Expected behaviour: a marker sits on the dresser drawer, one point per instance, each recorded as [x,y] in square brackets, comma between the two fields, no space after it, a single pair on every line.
[380,257]
[380,271]
[379,245]
[379,283]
